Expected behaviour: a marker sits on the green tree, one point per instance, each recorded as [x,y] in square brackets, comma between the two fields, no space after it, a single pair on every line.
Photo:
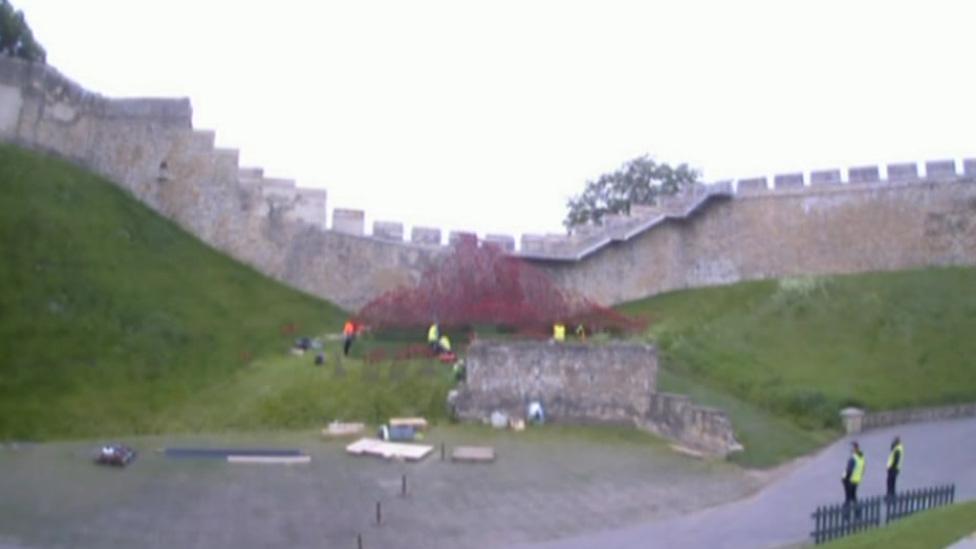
[16,37]
[639,181]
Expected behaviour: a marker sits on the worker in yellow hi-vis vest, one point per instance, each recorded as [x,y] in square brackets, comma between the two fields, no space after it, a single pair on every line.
[895,460]
[559,332]
[433,336]
[853,474]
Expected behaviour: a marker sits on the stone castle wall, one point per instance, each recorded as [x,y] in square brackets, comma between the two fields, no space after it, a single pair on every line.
[821,223]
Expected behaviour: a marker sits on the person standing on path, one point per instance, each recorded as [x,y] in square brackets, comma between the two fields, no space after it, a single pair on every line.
[895,460]
[853,474]
[348,335]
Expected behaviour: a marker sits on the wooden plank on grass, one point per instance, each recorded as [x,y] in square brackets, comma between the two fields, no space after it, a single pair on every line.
[473,454]
[270,460]
[417,423]
[337,429]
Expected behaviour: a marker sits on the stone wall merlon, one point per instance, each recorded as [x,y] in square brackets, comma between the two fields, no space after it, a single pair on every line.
[903,172]
[388,230]
[788,181]
[349,221]
[278,183]
[455,237]
[202,140]
[503,241]
[754,184]
[228,155]
[645,210]
[940,169]
[825,177]
[864,174]
[174,112]
[969,167]
[588,230]
[251,173]
[312,193]
[16,71]
[427,236]
[533,243]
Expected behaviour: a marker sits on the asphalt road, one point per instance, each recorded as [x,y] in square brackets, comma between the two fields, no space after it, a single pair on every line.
[779,515]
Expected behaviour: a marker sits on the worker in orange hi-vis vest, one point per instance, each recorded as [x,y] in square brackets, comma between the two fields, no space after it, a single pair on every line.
[348,336]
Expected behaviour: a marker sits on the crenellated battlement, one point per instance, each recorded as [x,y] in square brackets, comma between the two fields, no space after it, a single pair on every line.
[824,221]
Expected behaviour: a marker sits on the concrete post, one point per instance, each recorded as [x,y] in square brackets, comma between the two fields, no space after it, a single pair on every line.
[853,419]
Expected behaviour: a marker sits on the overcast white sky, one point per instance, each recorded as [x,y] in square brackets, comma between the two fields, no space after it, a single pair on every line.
[489,115]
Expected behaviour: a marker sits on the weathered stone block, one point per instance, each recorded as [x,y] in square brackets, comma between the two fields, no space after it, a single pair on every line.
[426,235]
[388,230]
[310,207]
[788,181]
[533,243]
[503,241]
[902,172]
[349,221]
[755,184]
[825,177]
[279,189]
[852,419]
[940,169]
[969,167]
[10,104]
[864,174]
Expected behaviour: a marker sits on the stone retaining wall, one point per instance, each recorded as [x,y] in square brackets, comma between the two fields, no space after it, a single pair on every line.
[698,427]
[575,382]
[614,383]
[875,420]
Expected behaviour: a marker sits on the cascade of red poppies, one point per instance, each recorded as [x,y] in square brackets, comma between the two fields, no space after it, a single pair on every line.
[479,284]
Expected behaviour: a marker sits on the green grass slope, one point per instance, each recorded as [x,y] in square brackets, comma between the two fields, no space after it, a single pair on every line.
[933,529]
[786,356]
[115,321]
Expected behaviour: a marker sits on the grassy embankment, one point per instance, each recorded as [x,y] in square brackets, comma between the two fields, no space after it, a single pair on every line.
[115,321]
[783,357]
[933,529]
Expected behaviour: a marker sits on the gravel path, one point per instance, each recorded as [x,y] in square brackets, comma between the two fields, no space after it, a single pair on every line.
[545,484]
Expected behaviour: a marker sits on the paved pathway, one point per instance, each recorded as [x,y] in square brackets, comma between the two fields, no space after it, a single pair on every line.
[779,515]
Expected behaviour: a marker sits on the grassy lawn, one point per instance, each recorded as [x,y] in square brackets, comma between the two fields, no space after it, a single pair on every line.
[933,529]
[115,320]
[783,357]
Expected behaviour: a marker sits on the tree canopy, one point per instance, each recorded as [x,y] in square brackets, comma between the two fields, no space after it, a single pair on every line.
[16,37]
[638,181]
